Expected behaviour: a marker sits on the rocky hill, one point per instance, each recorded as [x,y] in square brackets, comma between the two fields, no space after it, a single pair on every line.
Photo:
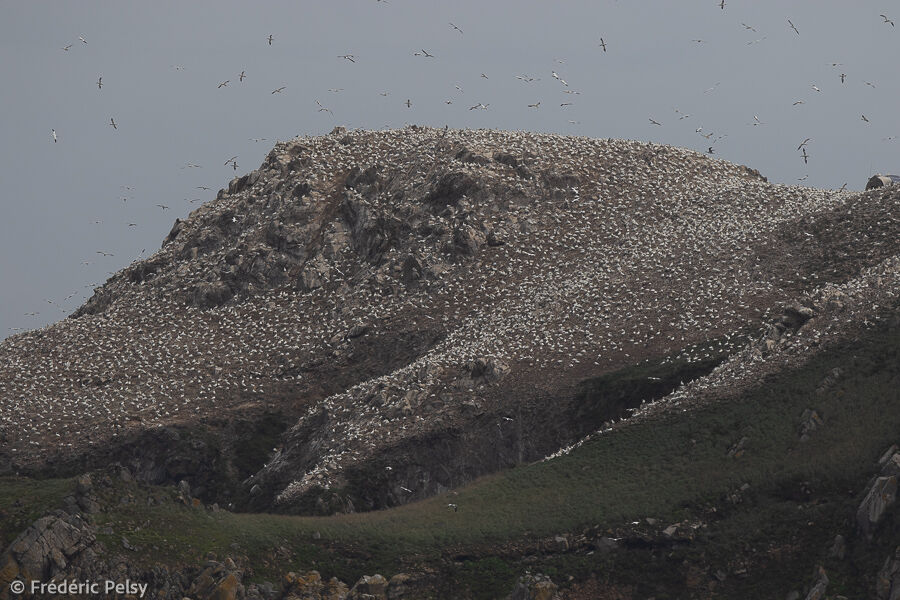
[373,317]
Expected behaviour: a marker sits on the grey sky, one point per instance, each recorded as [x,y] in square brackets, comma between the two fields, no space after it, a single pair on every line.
[161,63]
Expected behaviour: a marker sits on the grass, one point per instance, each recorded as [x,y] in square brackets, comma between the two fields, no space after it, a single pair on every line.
[669,468]
[24,500]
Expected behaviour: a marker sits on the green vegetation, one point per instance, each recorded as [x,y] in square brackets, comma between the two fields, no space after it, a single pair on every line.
[673,468]
[23,500]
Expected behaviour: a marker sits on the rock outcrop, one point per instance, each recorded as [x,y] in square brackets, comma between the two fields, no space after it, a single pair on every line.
[310,586]
[819,587]
[60,543]
[881,496]
[218,581]
[534,587]
[887,586]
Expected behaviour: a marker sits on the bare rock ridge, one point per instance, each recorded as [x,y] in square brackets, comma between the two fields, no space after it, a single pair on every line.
[424,306]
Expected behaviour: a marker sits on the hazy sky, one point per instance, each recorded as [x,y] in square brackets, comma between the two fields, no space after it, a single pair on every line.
[162,63]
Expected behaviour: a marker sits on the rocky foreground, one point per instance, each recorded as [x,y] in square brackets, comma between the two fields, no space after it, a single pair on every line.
[417,307]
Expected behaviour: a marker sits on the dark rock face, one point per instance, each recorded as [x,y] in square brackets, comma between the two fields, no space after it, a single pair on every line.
[360,178]
[450,188]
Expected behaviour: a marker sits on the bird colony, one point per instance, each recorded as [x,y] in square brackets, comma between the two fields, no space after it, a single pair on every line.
[387,287]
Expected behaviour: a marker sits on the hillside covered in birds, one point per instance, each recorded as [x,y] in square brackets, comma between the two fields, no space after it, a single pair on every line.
[377,318]
[418,307]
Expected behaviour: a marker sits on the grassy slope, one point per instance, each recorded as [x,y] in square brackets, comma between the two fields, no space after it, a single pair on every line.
[670,469]
[24,500]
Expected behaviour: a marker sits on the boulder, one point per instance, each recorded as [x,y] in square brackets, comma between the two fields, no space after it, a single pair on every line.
[403,586]
[466,240]
[888,454]
[369,588]
[314,274]
[359,177]
[533,587]
[810,421]
[177,228]
[46,548]
[605,544]
[817,592]
[881,496]
[239,184]
[828,382]
[412,270]
[794,317]
[211,294]
[486,370]
[838,548]
[217,582]
[84,485]
[891,467]
[737,450]
[184,491]
[307,585]
[357,330]
[559,543]
[887,585]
